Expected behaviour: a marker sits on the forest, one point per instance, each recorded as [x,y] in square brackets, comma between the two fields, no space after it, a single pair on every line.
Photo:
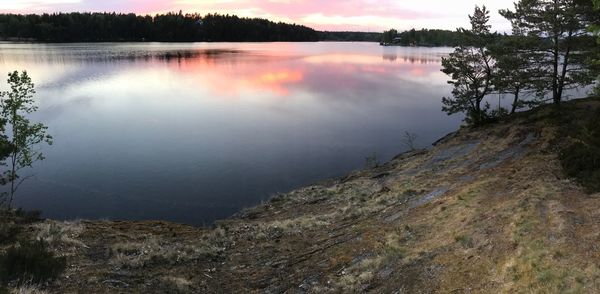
[423,37]
[170,27]
[349,36]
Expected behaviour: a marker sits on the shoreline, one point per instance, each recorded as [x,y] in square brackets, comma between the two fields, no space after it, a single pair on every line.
[477,199]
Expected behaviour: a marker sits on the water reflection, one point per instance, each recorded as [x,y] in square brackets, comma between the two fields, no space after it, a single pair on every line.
[194,132]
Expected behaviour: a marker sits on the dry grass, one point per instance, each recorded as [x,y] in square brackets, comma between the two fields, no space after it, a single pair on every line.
[360,275]
[294,226]
[178,283]
[28,289]
[60,236]
[151,249]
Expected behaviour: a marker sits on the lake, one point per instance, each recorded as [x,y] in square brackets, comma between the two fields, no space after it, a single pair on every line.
[194,132]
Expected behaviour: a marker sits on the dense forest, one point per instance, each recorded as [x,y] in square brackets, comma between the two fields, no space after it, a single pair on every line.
[170,27]
[350,36]
[423,37]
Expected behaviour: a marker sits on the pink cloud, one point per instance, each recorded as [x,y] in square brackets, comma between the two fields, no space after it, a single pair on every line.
[366,15]
[299,8]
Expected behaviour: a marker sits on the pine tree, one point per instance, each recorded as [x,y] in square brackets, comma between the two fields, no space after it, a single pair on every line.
[471,69]
[560,45]
[513,74]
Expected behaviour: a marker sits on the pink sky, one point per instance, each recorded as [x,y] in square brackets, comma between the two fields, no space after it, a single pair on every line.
[363,15]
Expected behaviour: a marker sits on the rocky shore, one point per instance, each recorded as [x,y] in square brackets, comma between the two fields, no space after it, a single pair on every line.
[485,210]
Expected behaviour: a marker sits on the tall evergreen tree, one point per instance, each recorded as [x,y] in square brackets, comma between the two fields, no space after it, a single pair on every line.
[513,74]
[471,68]
[560,45]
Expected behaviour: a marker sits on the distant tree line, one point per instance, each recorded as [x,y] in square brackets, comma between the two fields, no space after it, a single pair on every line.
[423,37]
[551,50]
[349,36]
[170,27]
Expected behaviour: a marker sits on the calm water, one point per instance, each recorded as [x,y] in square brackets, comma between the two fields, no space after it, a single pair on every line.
[194,132]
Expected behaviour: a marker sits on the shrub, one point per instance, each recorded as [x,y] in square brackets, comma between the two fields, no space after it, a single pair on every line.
[27,216]
[30,262]
[8,233]
[583,163]
[580,159]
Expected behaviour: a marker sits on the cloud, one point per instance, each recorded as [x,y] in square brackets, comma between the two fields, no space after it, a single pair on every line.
[369,15]
[25,5]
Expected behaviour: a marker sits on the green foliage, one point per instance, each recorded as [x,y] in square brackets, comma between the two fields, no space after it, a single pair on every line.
[465,241]
[26,217]
[471,68]
[559,44]
[8,232]
[30,262]
[170,27]
[23,135]
[389,36]
[513,74]
[580,159]
[423,37]
[349,36]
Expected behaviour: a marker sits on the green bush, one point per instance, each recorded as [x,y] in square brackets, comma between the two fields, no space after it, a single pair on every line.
[31,262]
[580,158]
[27,216]
[8,233]
[582,162]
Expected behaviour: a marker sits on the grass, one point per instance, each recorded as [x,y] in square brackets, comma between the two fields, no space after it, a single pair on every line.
[30,262]
[181,285]
[26,259]
[359,275]
[59,235]
[151,250]
[28,289]
[465,241]
[9,233]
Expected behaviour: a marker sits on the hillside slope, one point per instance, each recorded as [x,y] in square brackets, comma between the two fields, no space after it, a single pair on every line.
[484,211]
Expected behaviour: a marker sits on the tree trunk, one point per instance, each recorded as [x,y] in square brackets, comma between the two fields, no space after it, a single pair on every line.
[13,171]
[555,53]
[563,76]
[478,114]
[515,101]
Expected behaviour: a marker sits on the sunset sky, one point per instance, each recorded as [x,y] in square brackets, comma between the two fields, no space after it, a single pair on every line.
[361,15]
